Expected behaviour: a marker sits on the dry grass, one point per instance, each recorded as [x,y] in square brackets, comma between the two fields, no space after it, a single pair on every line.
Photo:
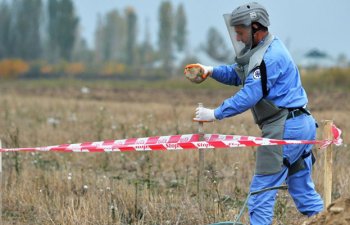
[135,187]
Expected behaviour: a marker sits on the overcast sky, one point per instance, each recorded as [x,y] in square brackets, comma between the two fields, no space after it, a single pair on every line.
[301,24]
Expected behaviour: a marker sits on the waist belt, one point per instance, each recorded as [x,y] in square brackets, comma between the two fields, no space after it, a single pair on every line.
[294,112]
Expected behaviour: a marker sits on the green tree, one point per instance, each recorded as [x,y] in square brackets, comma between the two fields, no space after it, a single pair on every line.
[180,32]
[52,51]
[165,35]
[62,28]
[99,40]
[5,21]
[146,51]
[216,47]
[131,20]
[24,29]
[110,38]
[68,23]
[81,51]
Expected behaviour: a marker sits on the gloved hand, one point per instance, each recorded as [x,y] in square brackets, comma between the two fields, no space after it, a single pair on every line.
[197,73]
[204,114]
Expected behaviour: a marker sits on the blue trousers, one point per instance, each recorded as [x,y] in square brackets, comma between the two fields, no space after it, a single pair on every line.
[300,185]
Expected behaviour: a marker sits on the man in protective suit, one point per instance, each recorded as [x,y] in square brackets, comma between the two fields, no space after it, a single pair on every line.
[272,89]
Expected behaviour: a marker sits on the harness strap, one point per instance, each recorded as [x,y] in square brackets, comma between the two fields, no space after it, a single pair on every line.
[263,73]
[299,164]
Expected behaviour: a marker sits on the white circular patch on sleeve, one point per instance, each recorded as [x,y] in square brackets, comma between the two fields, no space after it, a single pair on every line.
[256,74]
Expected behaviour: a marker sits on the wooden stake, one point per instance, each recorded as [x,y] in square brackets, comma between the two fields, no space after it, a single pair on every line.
[201,160]
[328,163]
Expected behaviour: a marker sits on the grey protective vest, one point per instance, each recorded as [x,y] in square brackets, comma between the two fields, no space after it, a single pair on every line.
[264,109]
[271,119]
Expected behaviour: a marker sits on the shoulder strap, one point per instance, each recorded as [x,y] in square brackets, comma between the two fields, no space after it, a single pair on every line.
[263,73]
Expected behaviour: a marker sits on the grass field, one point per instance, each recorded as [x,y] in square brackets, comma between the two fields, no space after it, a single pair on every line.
[136,187]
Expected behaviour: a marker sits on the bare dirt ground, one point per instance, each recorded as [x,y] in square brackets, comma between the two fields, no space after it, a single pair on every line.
[337,213]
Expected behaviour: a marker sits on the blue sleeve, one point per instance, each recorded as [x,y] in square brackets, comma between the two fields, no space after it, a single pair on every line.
[243,100]
[226,74]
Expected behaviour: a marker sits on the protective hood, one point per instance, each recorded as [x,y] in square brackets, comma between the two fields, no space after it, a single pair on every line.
[241,37]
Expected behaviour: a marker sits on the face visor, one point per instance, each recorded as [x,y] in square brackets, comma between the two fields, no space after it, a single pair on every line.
[240,35]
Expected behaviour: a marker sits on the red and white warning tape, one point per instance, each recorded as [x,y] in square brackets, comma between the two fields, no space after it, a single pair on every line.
[178,142]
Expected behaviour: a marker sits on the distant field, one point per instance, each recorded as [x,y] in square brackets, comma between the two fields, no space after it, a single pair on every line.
[136,187]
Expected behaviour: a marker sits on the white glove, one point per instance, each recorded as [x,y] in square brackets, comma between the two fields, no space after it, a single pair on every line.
[207,70]
[197,73]
[204,114]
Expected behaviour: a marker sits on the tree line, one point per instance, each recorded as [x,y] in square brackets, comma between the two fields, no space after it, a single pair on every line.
[43,38]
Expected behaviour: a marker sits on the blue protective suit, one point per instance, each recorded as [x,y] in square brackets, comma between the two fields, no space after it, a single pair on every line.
[284,85]
[285,91]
